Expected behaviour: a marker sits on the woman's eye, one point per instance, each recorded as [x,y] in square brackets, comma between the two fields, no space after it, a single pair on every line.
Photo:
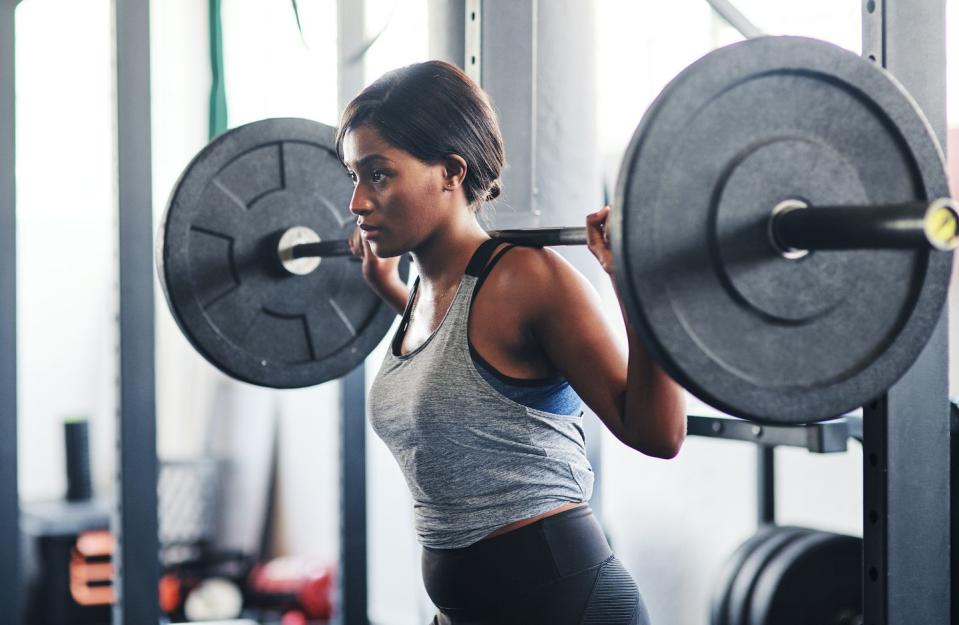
[352,176]
[377,176]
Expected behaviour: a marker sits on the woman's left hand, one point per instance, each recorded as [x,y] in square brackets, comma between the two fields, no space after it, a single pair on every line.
[597,239]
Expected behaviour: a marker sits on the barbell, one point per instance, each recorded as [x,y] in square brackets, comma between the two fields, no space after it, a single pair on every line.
[934,225]
[780,229]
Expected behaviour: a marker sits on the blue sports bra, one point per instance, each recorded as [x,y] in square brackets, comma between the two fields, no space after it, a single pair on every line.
[553,394]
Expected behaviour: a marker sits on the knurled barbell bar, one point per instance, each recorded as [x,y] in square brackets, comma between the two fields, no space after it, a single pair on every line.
[730,178]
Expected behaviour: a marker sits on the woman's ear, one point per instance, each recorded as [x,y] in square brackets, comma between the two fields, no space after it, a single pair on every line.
[454,172]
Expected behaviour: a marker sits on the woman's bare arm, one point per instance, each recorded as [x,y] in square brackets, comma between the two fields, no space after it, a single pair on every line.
[633,397]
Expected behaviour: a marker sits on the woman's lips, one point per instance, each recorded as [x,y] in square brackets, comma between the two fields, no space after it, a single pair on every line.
[369,232]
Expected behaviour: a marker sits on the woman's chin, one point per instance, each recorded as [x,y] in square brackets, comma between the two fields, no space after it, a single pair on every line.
[382,250]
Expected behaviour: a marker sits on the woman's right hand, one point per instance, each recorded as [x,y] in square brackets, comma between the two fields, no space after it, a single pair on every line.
[380,273]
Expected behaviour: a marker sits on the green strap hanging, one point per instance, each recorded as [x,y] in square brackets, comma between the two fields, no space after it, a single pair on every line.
[218,113]
[296,14]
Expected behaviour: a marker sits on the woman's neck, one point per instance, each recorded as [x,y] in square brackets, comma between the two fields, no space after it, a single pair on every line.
[442,258]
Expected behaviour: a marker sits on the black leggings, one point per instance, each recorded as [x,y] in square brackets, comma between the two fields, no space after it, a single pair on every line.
[557,571]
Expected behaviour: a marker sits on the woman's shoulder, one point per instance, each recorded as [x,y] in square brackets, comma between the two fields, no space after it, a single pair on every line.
[534,276]
[536,260]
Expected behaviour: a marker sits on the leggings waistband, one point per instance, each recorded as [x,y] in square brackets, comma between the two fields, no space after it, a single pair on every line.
[529,557]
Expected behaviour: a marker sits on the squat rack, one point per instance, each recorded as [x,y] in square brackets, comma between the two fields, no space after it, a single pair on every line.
[906,454]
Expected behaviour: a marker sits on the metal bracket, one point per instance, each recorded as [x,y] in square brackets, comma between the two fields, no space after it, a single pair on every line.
[472,63]
[822,438]
[873,28]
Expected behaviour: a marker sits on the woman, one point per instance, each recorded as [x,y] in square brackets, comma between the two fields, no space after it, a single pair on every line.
[479,396]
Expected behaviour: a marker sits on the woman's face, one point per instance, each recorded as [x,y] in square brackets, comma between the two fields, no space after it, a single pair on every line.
[396,197]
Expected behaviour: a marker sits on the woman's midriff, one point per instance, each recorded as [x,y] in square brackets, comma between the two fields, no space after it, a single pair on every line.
[523,522]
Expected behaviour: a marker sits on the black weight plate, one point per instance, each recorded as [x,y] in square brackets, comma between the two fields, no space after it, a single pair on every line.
[814,580]
[218,266]
[719,603]
[741,590]
[744,329]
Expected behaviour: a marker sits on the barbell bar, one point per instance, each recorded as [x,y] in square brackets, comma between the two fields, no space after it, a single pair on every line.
[795,229]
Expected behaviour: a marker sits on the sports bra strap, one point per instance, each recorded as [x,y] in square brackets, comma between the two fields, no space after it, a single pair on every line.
[487,269]
[479,267]
[481,256]
[405,320]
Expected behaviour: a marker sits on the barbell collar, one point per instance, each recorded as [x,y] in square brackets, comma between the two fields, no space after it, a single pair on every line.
[796,227]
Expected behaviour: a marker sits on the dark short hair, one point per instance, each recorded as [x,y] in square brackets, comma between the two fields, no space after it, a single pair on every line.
[432,110]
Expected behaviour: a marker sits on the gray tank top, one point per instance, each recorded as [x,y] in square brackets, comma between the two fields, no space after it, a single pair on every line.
[474,460]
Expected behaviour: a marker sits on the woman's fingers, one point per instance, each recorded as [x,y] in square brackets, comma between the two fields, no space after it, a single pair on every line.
[356,243]
[367,254]
[597,238]
[596,228]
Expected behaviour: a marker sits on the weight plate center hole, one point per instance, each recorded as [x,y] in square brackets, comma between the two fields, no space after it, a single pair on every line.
[297,235]
[789,253]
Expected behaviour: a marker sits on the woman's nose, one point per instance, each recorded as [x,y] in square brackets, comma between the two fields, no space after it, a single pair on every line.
[359,203]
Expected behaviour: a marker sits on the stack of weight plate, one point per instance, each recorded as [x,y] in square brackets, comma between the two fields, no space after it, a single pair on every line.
[786,575]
